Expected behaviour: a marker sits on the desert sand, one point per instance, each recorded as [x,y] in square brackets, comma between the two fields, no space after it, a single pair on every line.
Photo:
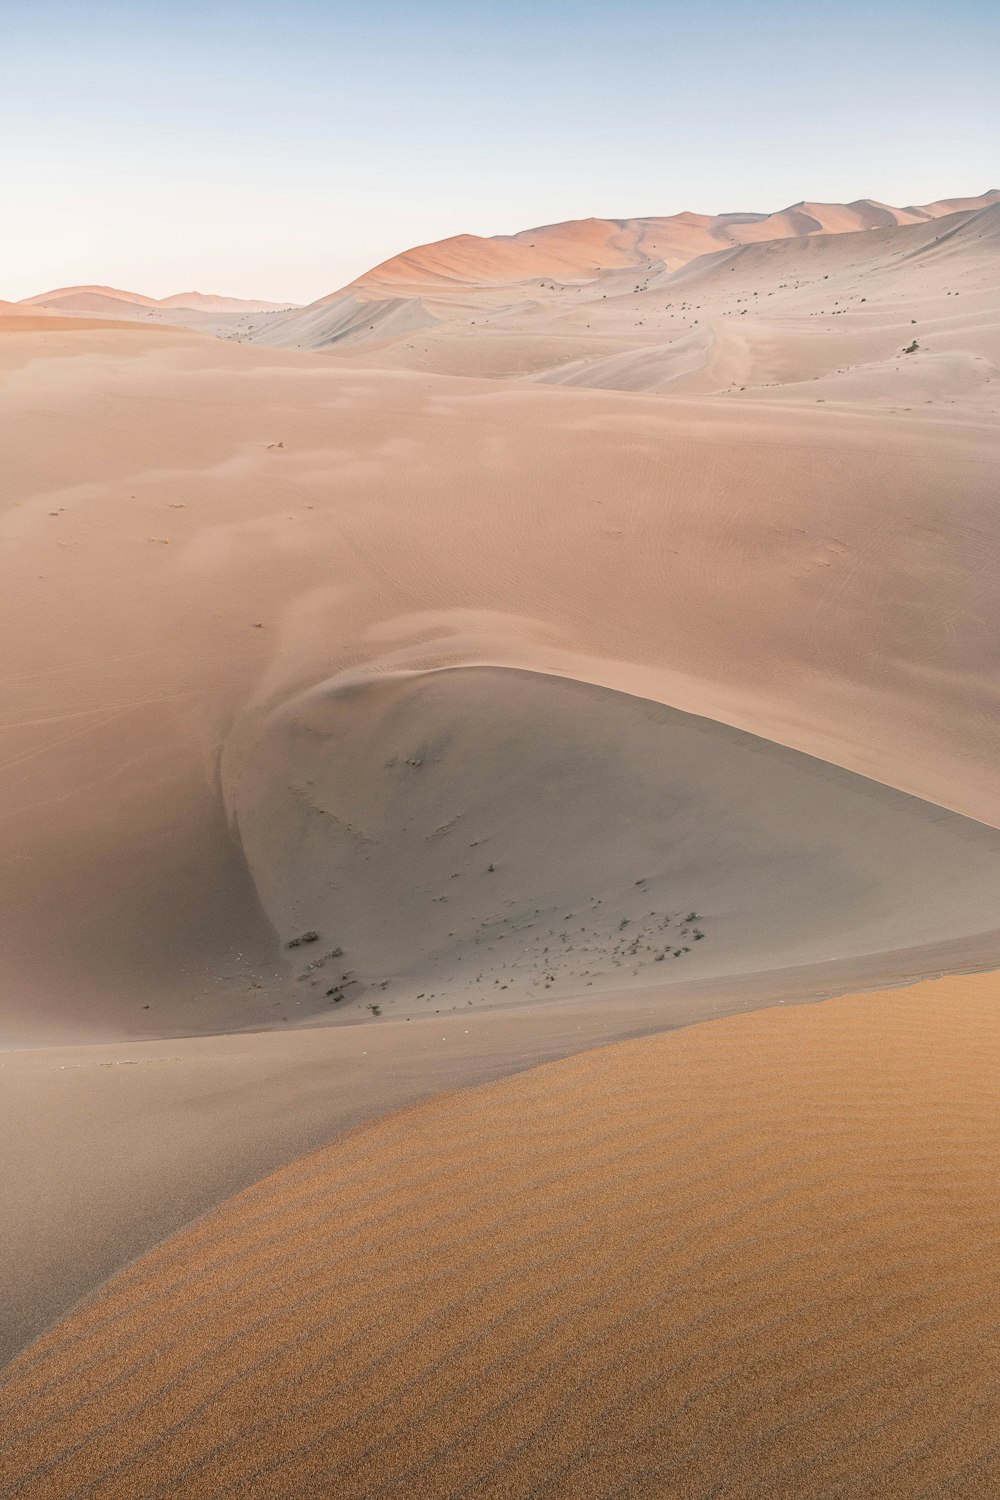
[753,1257]
[277,528]
[537,643]
[112,1146]
[639,304]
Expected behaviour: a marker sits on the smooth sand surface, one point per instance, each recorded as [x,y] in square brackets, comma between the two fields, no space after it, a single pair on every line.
[754,1257]
[470,836]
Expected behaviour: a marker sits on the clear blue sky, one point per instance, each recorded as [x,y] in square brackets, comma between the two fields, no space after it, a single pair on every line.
[277,150]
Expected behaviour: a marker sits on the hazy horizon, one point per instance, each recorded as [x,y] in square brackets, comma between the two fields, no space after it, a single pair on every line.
[277,152]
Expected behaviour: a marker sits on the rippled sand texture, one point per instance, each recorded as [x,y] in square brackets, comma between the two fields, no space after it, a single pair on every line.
[757,1257]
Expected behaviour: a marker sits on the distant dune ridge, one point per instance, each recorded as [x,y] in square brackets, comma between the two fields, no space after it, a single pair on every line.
[102,299]
[585,247]
[206,312]
[542,641]
[576,263]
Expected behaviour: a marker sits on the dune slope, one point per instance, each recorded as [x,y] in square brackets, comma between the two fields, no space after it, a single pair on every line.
[753,1257]
[456,838]
[585,246]
[504,715]
[269,521]
[219,316]
[603,282]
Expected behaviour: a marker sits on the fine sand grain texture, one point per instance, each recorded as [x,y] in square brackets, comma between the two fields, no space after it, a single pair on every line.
[757,1257]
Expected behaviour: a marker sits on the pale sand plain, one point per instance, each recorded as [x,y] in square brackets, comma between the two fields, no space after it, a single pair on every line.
[518,693]
[755,1257]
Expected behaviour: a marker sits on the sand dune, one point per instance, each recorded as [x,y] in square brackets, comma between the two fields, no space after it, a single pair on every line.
[347,322]
[596,636]
[112,1146]
[726,563]
[585,246]
[87,299]
[756,1257]
[219,316]
[71,296]
[781,316]
[460,837]
[840,309]
[19,310]
[563,269]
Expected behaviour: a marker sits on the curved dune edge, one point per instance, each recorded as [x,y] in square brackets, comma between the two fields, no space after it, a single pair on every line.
[453,838]
[755,1257]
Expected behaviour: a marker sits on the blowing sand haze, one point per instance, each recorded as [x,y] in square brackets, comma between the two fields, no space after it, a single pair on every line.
[500,823]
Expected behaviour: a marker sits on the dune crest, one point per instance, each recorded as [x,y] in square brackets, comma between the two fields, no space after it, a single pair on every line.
[585,247]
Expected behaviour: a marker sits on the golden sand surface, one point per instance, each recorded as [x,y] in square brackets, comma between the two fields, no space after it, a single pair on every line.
[753,1258]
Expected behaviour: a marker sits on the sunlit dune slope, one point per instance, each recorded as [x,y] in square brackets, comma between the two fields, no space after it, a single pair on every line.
[815,318]
[756,1257]
[566,271]
[586,246]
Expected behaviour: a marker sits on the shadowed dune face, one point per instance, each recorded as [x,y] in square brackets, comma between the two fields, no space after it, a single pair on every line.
[752,1258]
[476,835]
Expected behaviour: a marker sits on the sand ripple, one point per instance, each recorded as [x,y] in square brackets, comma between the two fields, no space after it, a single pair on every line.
[756,1257]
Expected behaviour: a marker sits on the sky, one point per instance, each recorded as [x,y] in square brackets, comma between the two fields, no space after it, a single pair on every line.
[277,150]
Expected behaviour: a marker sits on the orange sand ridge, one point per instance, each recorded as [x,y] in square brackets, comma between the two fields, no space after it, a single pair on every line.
[757,1257]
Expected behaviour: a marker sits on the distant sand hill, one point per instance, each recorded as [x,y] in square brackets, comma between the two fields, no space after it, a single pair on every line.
[220,316]
[586,247]
[587,280]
